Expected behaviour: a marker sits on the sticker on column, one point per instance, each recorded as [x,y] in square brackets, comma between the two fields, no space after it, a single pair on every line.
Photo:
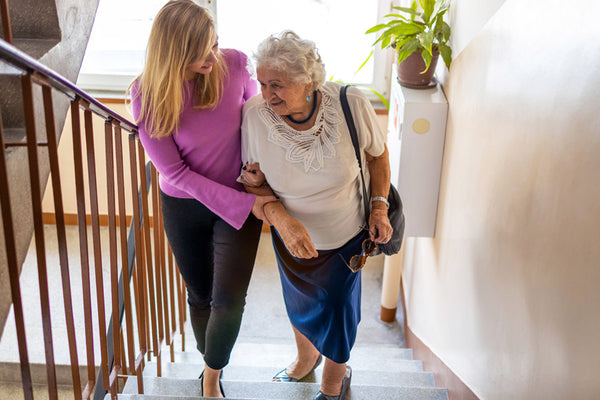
[421,126]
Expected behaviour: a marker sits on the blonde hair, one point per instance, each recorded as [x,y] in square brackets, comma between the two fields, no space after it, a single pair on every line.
[183,32]
[299,58]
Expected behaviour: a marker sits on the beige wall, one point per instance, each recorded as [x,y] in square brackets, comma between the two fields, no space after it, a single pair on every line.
[508,292]
[66,166]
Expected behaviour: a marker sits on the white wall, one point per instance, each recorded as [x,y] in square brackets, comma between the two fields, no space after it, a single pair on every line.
[508,292]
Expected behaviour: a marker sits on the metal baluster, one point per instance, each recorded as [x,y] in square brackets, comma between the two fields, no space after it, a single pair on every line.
[13,270]
[83,246]
[38,228]
[62,238]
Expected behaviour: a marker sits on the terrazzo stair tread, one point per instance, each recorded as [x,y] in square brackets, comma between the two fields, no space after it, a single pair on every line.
[13,134]
[11,372]
[179,388]
[11,101]
[393,366]
[275,354]
[264,374]
[14,391]
[35,47]
[277,363]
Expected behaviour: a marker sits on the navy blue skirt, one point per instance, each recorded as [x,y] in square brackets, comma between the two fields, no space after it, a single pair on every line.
[322,295]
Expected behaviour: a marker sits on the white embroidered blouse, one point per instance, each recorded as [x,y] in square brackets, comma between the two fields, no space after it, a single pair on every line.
[314,172]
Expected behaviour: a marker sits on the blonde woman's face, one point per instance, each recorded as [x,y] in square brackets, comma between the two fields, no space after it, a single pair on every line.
[203,66]
[283,95]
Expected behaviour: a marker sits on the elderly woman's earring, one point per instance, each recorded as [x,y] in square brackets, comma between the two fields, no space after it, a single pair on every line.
[308,98]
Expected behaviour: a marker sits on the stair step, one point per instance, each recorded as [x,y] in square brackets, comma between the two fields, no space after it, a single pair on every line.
[36,48]
[11,101]
[412,376]
[11,372]
[273,390]
[281,354]
[14,135]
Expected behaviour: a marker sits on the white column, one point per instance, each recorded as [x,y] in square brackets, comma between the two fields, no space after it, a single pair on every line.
[390,286]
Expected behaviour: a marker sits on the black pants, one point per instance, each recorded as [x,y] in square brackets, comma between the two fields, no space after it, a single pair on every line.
[216,262]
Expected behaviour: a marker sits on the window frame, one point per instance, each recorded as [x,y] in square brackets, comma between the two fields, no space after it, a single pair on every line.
[114,85]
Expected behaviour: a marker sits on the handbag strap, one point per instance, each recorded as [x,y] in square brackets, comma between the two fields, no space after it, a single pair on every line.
[354,136]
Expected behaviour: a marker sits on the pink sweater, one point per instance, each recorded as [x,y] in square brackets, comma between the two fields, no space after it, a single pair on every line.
[202,160]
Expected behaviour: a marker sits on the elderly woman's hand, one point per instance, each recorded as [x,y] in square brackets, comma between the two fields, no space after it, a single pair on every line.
[252,175]
[258,208]
[296,238]
[379,225]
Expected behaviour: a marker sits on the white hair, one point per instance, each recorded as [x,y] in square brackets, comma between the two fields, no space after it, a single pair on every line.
[299,58]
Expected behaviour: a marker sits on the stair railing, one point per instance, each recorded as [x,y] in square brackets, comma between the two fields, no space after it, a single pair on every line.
[146,292]
[6,27]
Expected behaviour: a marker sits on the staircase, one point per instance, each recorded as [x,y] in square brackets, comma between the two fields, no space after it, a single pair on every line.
[54,32]
[379,372]
[382,368]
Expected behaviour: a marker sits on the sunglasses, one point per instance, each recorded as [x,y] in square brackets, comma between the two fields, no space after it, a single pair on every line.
[358,261]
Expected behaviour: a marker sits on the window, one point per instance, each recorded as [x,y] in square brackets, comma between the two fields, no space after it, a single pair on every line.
[116,50]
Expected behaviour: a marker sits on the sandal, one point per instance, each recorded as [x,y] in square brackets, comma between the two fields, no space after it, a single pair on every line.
[282,375]
[345,386]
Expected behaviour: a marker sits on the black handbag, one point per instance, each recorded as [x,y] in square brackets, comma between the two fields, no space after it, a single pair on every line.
[395,213]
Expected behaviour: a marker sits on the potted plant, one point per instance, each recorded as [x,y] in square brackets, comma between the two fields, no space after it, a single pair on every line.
[419,35]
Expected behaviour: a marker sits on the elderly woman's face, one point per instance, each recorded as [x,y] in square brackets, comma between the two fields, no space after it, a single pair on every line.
[284,96]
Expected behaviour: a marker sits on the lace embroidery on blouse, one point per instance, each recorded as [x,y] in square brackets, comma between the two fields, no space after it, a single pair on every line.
[309,147]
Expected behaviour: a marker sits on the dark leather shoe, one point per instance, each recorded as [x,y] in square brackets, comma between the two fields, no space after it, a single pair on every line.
[345,386]
[282,375]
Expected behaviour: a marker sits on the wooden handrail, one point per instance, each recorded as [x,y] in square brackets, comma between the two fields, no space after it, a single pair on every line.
[24,62]
[139,260]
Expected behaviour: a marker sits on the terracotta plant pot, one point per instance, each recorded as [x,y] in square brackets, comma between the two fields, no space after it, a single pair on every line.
[409,71]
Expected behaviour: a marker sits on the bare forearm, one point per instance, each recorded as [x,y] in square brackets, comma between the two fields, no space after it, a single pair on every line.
[264,190]
[276,213]
[379,169]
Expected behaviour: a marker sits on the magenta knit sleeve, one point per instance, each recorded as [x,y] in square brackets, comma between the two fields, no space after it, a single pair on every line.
[231,205]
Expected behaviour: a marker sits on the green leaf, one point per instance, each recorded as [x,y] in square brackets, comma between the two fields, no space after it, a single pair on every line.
[397,16]
[440,8]
[405,29]
[364,62]
[427,6]
[446,31]
[427,58]
[409,47]
[413,7]
[379,39]
[426,41]
[407,10]
[446,53]
[401,41]
[379,95]
[386,42]
[376,28]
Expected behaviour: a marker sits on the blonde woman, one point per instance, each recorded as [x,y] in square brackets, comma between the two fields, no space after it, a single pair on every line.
[188,105]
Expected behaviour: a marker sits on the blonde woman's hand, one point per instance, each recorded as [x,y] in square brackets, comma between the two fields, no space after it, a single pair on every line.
[252,175]
[296,239]
[380,228]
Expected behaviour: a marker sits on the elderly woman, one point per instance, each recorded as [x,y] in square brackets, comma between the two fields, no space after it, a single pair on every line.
[298,146]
